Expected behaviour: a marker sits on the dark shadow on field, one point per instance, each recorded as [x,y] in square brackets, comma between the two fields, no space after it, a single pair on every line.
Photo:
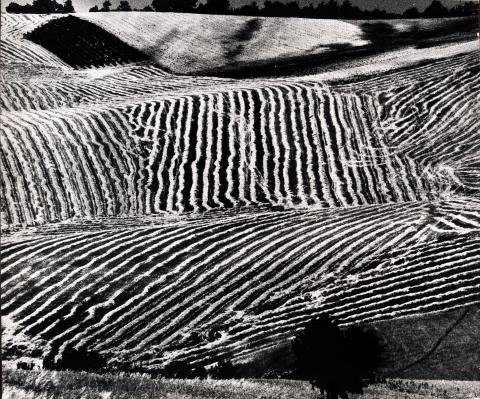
[382,35]
[235,45]
[413,349]
[82,44]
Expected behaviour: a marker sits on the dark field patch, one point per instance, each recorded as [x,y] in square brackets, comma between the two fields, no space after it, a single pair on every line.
[82,44]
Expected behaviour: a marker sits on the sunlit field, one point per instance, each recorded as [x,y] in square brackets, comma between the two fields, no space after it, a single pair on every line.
[197,188]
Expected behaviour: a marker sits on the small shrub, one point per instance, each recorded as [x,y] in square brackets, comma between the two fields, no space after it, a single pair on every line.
[76,360]
[180,369]
[25,366]
[224,370]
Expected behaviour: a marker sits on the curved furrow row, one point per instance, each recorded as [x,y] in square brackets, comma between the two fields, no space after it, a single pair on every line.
[25,52]
[150,199]
[426,126]
[383,83]
[70,164]
[16,25]
[207,227]
[451,280]
[121,85]
[17,50]
[297,158]
[255,265]
[221,274]
[184,154]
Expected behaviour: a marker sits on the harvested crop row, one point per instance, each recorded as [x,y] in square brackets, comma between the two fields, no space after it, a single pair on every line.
[254,277]
[17,50]
[288,145]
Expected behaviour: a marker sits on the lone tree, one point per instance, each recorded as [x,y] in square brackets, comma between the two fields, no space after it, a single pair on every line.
[436,10]
[337,361]
[124,6]
[106,6]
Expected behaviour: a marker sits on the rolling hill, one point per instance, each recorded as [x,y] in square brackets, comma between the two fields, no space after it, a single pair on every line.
[248,279]
[155,216]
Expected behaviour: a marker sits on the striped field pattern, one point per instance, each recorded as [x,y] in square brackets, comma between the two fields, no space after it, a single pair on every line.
[157,217]
[435,120]
[201,152]
[251,276]
[189,43]
[17,51]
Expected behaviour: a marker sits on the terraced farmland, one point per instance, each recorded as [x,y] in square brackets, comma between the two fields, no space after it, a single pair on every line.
[196,153]
[252,276]
[154,216]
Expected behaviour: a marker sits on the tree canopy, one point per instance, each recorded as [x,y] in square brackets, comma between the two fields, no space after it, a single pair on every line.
[174,5]
[435,10]
[215,7]
[124,6]
[337,361]
[41,7]
[106,5]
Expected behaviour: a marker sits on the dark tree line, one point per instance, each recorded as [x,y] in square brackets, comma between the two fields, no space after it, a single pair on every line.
[330,9]
[124,5]
[346,10]
[437,10]
[211,7]
[41,7]
[325,9]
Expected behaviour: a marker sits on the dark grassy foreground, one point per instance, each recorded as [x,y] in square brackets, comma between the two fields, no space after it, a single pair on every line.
[68,385]
[442,345]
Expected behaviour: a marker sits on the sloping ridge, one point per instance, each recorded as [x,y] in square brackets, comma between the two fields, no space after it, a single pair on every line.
[192,44]
[182,155]
[82,44]
[202,286]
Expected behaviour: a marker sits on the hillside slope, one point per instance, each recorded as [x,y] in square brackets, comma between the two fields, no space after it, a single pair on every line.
[188,43]
[268,142]
[258,46]
[156,217]
[432,346]
[230,284]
